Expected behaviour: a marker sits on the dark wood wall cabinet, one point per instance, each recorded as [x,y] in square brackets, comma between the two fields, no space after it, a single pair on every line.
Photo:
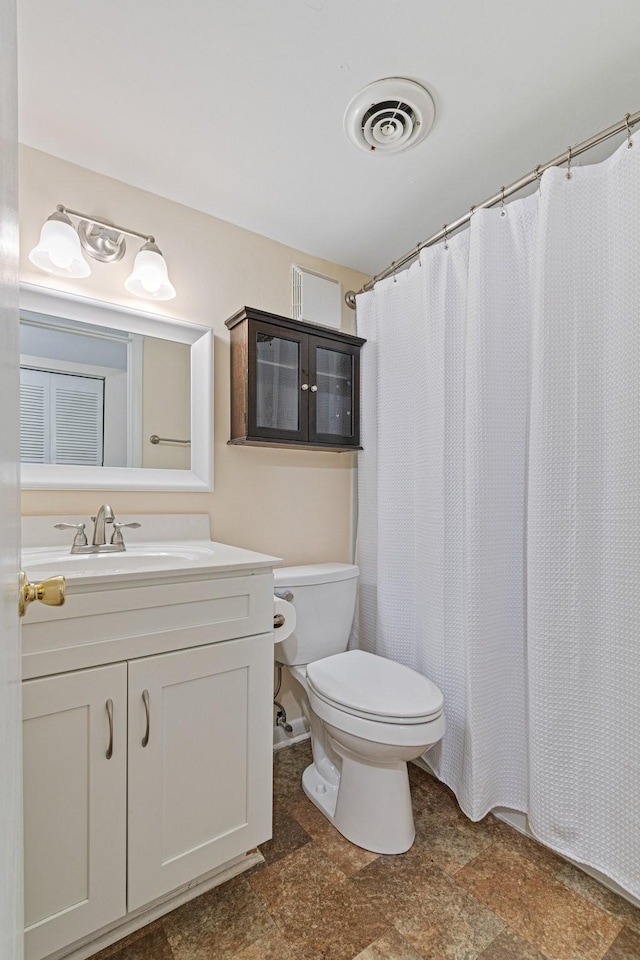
[292,383]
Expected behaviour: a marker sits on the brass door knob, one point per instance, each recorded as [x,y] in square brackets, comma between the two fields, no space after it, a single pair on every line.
[51,591]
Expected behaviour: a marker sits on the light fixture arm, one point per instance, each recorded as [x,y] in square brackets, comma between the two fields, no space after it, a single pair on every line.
[104,223]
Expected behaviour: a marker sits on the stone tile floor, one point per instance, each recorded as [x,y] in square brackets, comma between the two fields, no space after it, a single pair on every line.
[465,891]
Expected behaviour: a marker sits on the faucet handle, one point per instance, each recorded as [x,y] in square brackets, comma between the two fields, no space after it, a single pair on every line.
[80,539]
[116,537]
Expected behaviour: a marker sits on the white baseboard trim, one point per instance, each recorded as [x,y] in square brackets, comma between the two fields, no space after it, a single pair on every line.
[283,739]
[520,822]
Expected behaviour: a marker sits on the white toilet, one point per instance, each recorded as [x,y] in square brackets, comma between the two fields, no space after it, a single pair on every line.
[368,715]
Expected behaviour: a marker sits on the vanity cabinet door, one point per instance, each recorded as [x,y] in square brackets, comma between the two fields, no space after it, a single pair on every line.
[200,762]
[74,805]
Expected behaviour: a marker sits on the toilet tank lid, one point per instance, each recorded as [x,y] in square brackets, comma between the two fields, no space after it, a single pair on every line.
[313,573]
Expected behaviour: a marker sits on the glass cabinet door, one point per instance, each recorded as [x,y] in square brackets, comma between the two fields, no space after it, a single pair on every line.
[278,406]
[333,375]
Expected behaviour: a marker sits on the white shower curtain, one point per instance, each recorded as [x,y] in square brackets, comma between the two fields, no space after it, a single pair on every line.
[499,504]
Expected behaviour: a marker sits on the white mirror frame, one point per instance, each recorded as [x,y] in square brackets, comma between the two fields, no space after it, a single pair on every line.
[52,476]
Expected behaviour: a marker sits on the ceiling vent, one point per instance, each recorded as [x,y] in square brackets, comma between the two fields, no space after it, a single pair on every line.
[388,116]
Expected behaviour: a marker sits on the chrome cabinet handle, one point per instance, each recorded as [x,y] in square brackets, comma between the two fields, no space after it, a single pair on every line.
[145,700]
[304,386]
[314,389]
[109,706]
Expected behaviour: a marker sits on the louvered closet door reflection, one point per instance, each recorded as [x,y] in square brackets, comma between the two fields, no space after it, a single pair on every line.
[61,418]
[35,416]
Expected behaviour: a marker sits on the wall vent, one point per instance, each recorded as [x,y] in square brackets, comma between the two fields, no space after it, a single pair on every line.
[316,299]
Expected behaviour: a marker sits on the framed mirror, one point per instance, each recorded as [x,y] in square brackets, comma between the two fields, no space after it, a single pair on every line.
[112,398]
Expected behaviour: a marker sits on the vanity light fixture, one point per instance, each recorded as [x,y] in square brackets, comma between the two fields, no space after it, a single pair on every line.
[61,246]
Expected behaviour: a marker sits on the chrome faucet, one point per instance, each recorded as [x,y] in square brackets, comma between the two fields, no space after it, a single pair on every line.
[104,515]
[99,544]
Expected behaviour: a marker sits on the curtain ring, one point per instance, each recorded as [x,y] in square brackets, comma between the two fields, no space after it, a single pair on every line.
[569,174]
[629,140]
[446,237]
[393,267]
[538,177]
[503,212]
[419,245]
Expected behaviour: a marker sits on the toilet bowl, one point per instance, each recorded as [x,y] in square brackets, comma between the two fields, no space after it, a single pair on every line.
[367,715]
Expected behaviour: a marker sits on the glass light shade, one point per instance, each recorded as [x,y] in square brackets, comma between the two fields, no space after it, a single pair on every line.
[149,277]
[59,249]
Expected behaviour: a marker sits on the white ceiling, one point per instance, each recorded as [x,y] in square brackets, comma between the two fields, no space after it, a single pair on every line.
[235,107]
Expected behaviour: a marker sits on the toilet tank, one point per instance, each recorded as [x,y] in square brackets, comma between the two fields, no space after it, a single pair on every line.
[324,595]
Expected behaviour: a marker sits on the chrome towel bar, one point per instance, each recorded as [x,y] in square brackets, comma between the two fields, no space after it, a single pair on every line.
[154,438]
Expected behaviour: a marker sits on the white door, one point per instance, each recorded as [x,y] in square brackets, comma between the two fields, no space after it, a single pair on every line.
[199,762]
[10,710]
[75,813]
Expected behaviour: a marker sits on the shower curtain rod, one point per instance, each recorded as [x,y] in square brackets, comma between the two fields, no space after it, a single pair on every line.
[624,125]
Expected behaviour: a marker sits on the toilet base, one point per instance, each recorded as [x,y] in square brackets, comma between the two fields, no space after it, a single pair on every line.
[321,793]
[370,806]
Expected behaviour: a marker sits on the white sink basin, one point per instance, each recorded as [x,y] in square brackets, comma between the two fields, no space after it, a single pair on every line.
[39,562]
[167,548]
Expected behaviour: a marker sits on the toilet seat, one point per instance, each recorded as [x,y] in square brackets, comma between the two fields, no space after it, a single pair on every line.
[423,733]
[374,688]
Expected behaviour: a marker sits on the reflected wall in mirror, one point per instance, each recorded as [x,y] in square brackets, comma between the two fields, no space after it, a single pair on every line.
[97,382]
[95,395]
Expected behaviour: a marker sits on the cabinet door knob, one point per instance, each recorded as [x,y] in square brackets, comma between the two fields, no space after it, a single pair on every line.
[314,389]
[304,386]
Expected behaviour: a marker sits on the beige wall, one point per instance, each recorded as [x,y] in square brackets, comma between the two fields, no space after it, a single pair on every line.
[292,503]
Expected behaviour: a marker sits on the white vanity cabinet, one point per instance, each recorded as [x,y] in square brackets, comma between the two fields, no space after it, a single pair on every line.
[147,748]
